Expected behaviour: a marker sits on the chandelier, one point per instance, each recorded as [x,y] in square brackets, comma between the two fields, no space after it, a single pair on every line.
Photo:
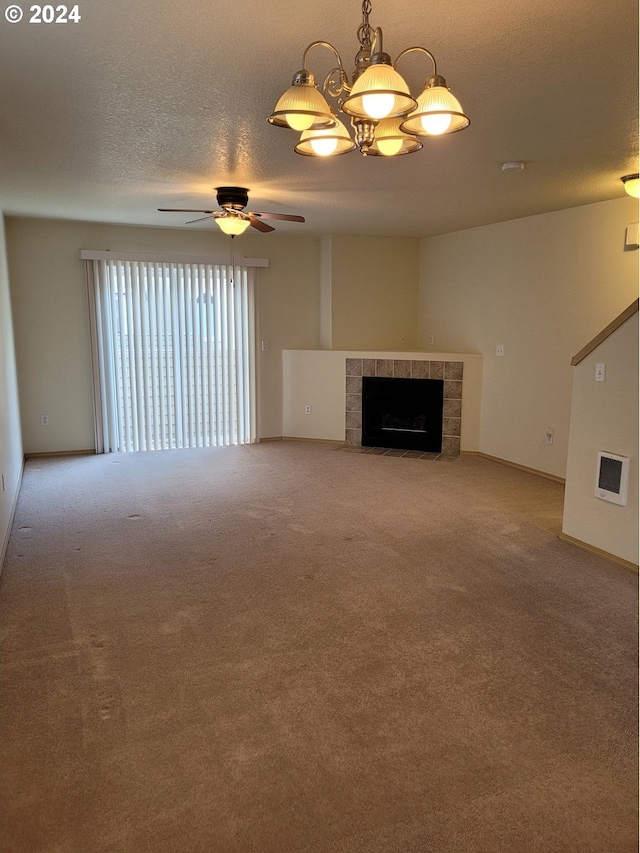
[386,120]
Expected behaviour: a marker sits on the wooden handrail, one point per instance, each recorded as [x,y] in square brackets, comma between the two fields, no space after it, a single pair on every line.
[604,334]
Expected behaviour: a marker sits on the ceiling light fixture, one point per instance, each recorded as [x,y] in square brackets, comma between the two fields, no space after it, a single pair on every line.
[385,117]
[632,185]
[232,223]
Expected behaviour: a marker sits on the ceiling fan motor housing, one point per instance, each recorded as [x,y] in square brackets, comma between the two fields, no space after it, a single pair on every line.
[232,198]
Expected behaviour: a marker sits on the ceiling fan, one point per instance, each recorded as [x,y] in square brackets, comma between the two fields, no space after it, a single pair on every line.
[233,218]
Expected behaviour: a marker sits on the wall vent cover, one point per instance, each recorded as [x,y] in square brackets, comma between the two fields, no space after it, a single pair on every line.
[612,478]
[632,239]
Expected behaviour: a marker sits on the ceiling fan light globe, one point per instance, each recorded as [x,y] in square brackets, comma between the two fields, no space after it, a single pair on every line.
[233,225]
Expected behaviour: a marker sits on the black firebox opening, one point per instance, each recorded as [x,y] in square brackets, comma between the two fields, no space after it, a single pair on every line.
[402,413]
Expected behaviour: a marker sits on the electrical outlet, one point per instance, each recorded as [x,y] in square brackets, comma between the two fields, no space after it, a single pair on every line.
[307,410]
[44,420]
[499,350]
[430,339]
[265,346]
[549,435]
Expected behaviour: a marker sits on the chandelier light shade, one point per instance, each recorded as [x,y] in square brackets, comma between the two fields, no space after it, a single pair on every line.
[380,92]
[385,117]
[390,140]
[632,185]
[302,107]
[438,112]
[233,224]
[326,142]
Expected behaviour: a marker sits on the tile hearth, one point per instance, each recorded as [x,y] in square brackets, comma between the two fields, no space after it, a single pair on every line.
[450,371]
[386,451]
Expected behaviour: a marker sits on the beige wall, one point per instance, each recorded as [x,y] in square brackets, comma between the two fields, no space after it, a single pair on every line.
[370,293]
[542,287]
[51,327]
[317,379]
[604,416]
[10,436]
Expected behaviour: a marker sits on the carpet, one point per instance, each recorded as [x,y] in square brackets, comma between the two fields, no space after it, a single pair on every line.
[283,648]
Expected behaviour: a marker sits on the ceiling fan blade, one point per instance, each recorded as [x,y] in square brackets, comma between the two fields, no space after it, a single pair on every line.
[288,217]
[183,210]
[260,226]
[200,219]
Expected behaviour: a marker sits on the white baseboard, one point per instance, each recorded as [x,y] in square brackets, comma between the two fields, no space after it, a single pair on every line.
[535,471]
[585,546]
[5,543]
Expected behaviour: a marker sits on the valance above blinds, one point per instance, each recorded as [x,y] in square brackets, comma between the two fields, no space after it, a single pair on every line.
[163,257]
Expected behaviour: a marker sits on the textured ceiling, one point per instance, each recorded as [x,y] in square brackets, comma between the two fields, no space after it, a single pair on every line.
[152,103]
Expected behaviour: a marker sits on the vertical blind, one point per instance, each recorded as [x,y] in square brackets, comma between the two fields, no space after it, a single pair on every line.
[173,354]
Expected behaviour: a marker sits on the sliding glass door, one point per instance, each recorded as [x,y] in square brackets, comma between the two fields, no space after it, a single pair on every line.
[174,354]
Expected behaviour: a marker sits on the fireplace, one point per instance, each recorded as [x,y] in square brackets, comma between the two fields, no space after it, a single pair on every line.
[402,413]
[450,373]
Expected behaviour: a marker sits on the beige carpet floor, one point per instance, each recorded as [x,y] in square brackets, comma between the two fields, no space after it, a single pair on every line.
[288,648]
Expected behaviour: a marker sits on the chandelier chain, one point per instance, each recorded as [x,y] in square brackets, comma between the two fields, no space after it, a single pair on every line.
[365,30]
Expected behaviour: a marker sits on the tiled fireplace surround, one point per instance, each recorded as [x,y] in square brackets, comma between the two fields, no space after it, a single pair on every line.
[450,371]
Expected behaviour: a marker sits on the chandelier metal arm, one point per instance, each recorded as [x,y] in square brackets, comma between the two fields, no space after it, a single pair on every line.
[419,50]
[339,86]
[342,83]
[329,46]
